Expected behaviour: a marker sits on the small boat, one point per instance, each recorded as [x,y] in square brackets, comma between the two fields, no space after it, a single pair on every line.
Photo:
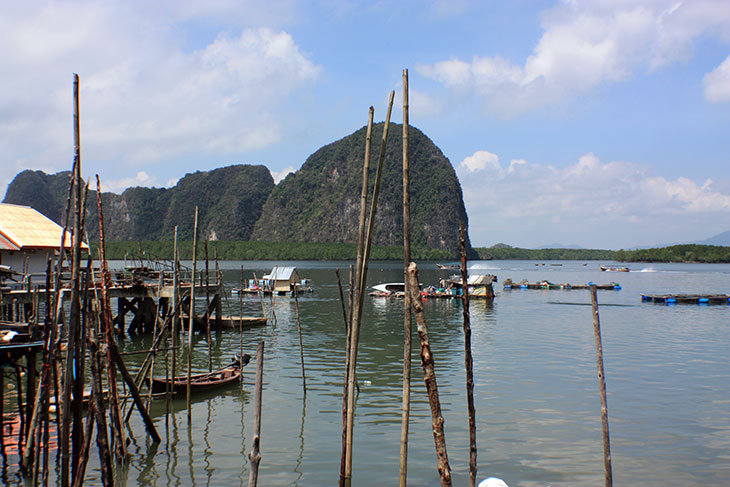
[614,269]
[205,381]
[448,266]
[389,289]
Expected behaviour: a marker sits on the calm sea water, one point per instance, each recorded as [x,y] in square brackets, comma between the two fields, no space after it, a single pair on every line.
[538,410]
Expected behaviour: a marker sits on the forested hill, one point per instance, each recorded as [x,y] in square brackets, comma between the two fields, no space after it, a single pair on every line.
[321,201]
[318,203]
[229,201]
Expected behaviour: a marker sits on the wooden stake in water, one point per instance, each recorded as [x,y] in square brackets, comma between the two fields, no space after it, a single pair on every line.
[192,314]
[301,345]
[255,455]
[407,327]
[601,388]
[468,361]
[429,377]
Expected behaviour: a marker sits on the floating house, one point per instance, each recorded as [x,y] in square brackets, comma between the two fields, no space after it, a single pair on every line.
[284,280]
[28,239]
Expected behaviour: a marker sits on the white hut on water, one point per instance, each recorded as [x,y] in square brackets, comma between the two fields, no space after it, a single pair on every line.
[283,280]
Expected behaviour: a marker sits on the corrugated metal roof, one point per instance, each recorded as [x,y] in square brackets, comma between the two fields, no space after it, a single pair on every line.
[281,273]
[25,227]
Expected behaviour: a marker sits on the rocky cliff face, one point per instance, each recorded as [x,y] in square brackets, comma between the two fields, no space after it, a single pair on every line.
[321,201]
[229,201]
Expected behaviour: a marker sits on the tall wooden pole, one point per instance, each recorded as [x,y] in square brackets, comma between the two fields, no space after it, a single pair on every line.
[359,294]
[468,361]
[74,318]
[429,377]
[407,330]
[346,461]
[374,206]
[255,455]
[175,320]
[106,322]
[207,305]
[192,314]
[601,388]
[301,344]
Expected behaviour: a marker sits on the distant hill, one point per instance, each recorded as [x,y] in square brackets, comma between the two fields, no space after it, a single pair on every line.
[560,246]
[321,201]
[719,239]
[229,201]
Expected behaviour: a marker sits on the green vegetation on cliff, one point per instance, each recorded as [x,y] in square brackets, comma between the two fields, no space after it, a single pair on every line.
[229,201]
[321,201]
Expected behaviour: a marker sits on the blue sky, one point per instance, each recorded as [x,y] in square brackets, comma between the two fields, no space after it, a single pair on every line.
[602,123]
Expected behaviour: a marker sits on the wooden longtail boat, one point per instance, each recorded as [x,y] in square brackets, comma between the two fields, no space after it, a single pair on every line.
[205,381]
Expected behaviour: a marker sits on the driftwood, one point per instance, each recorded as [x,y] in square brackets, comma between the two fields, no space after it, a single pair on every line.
[429,377]
[468,361]
[601,388]
[255,455]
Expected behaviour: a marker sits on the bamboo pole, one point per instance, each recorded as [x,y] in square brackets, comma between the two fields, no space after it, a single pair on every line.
[373,205]
[346,461]
[342,300]
[175,320]
[468,360]
[601,388]
[106,321]
[301,345]
[207,306]
[192,314]
[73,325]
[407,327]
[255,455]
[360,292]
[102,440]
[429,377]
[240,321]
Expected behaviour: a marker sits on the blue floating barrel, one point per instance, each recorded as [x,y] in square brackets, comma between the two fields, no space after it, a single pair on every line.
[671,301]
[703,301]
[617,287]
[508,286]
[644,297]
[523,286]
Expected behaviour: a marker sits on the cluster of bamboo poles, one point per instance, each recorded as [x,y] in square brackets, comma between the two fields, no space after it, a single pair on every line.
[85,349]
[65,364]
[353,317]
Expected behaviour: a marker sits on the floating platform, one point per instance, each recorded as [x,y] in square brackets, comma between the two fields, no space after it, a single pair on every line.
[700,299]
[510,285]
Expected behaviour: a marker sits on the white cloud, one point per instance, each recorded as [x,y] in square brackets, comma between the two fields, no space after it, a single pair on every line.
[146,98]
[279,175]
[525,197]
[119,185]
[717,83]
[480,160]
[586,44]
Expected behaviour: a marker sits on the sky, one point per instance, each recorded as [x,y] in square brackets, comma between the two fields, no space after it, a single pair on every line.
[603,123]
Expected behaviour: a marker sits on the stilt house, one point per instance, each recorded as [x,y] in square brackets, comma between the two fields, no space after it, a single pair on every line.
[28,239]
